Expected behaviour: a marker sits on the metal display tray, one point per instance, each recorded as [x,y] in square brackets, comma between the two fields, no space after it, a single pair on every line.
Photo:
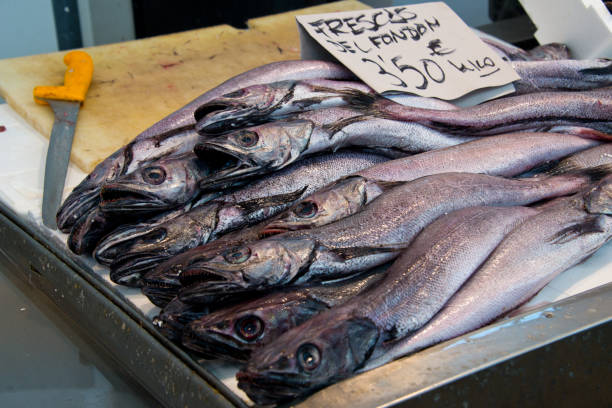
[557,354]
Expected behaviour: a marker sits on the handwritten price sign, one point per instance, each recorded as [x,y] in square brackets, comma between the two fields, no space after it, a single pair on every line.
[425,49]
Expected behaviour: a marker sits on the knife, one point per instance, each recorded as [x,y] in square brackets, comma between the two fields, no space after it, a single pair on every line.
[65,101]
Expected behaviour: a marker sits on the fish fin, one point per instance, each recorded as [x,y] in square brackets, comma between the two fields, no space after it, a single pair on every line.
[270,201]
[337,126]
[355,252]
[388,185]
[590,225]
[594,174]
[362,336]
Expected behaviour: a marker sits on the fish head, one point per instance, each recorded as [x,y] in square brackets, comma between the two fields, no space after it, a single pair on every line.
[241,108]
[233,333]
[599,199]
[249,267]
[137,250]
[162,284]
[323,350]
[339,200]
[157,186]
[247,152]
[86,196]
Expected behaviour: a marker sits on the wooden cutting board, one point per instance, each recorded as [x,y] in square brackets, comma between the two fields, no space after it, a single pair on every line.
[139,82]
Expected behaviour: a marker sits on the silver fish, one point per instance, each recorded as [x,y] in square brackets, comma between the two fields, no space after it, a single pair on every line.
[174,134]
[266,102]
[414,288]
[504,155]
[369,238]
[133,251]
[550,243]
[234,332]
[565,75]
[265,148]
[508,114]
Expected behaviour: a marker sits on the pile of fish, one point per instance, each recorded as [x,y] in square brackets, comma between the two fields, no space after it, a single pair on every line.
[293,220]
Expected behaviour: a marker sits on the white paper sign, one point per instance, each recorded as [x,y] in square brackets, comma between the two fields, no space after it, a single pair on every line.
[424,49]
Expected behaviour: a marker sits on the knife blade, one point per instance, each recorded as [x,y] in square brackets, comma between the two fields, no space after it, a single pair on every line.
[66,102]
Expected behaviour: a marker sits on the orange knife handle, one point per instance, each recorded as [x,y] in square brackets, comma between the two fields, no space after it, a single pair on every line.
[76,81]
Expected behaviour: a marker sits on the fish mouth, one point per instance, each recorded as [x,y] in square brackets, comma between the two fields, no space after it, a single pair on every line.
[76,205]
[225,165]
[160,288]
[271,388]
[125,199]
[213,345]
[125,243]
[128,269]
[275,229]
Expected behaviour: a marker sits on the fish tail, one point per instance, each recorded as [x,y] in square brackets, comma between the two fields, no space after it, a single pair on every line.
[593,174]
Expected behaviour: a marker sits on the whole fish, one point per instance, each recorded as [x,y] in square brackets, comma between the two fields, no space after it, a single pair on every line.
[504,115]
[266,102]
[565,75]
[272,146]
[369,238]
[504,155]
[550,243]
[415,287]
[174,134]
[233,333]
[133,251]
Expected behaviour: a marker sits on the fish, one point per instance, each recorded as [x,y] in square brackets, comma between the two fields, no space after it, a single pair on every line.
[415,287]
[262,103]
[233,333]
[265,102]
[173,318]
[503,115]
[504,155]
[373,236]
[175,133]
[550,243]
[265,148]
[161,185]
[134,251]
[562,75]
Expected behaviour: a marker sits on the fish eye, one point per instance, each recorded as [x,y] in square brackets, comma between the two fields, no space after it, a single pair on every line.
[306,209]
[308,356]
[249,328]
[154,175]
[235,94]
[237,255]
[247,138]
